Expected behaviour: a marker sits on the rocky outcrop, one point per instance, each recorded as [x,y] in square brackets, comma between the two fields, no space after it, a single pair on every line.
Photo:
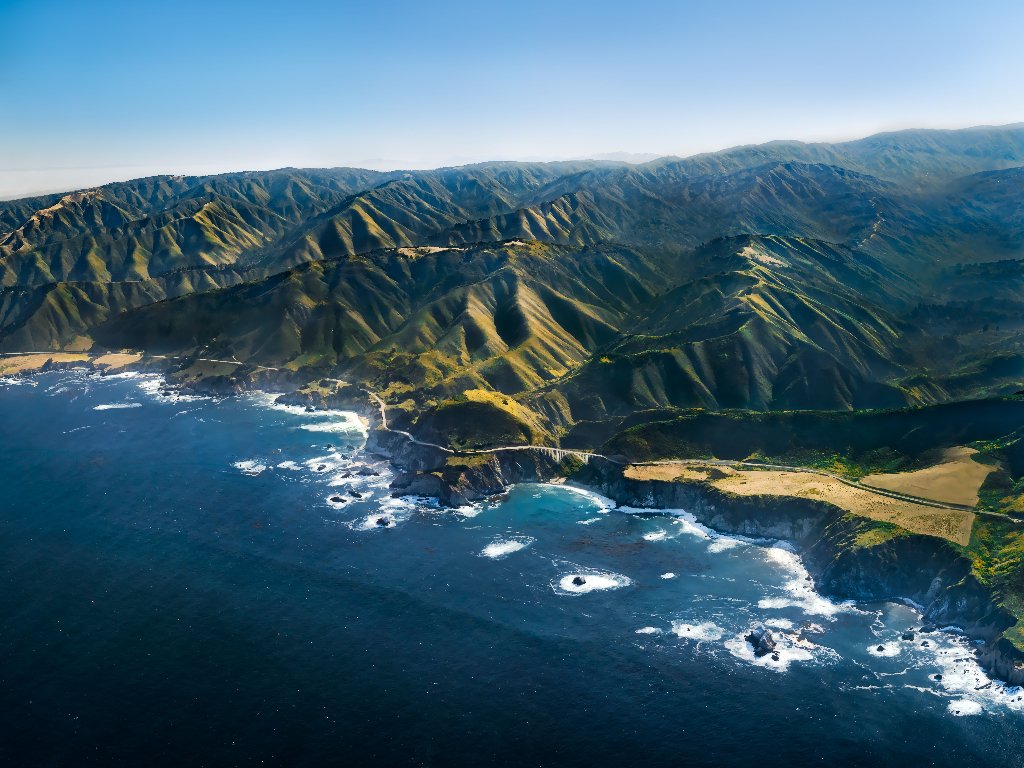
[762,641]
[457,481]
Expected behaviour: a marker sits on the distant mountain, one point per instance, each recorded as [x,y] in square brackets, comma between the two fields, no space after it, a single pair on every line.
[881,272]
[634,158]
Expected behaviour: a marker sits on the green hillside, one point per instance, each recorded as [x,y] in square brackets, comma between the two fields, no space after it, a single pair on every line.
[878,273]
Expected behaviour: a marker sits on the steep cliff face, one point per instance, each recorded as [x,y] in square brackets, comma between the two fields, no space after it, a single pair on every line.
[845,564]
[846,561]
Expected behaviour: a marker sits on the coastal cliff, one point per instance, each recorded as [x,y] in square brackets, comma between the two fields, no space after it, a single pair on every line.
[849,557]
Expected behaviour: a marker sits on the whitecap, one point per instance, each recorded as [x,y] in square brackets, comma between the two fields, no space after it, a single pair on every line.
[342,427]
[593,581]
[589,521]
[121,375]
[250,467]
[601,501]
[888,650]
[722,543]
[391,511]
[115,406]
[707,631]
[963,676]
[778,623]
[328,420]
[689,525]
[655,536]
[964,708]
[503,547]
[290,465]
[786,652]
[668,575]
[332,462]
[648,631]
[800,588]
[155,385]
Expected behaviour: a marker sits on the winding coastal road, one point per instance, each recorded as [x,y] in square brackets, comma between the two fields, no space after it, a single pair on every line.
[559,453]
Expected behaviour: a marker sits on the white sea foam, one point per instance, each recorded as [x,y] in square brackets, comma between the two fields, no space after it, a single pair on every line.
[593,581]
[601,501]
[250,467]
[723,543]
[800,589]
[655,536]
[116,406]
[963,677]
[778,623]
[589,521]
[964,707]
[648,631]
[787,651]
[503,547]
[888,650]
[345,427]
[686,521]
[291,465]
[154,385]
[668,575]
[707,631]
[121,375]
[390,512]
[333,421]
[331,462]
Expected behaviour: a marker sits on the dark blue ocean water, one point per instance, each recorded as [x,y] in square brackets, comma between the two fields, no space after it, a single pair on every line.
[176,587]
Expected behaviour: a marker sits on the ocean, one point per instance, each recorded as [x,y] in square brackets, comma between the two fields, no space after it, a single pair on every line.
[186,581]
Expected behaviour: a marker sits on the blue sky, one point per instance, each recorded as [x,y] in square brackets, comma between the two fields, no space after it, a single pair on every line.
[96,91]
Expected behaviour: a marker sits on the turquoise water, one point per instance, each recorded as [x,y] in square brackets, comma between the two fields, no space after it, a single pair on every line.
[178,588]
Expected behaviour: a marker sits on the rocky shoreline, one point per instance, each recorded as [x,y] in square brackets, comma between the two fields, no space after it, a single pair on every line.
[930,572]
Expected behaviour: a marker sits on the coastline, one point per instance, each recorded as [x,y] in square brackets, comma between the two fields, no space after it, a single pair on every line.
[925,571]
[918,569]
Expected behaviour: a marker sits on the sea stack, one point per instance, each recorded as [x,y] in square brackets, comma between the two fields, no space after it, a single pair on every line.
[762,641]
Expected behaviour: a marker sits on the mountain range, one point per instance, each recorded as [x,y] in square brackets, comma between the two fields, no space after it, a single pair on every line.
[879,273]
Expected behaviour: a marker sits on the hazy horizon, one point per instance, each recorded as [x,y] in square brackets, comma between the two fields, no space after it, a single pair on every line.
[99,176]
[114,90]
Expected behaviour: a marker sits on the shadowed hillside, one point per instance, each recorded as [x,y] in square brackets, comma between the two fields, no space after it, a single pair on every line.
[884,272]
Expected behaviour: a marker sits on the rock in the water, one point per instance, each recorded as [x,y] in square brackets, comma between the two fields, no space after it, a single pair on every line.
[579,581]
[938,677]
[775,657]
[925,643]
[321,467]
[928,628]
[383,522]
[355,494]
[880,648]
[908,635]
[762,641]
[337,499]
[368,472]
